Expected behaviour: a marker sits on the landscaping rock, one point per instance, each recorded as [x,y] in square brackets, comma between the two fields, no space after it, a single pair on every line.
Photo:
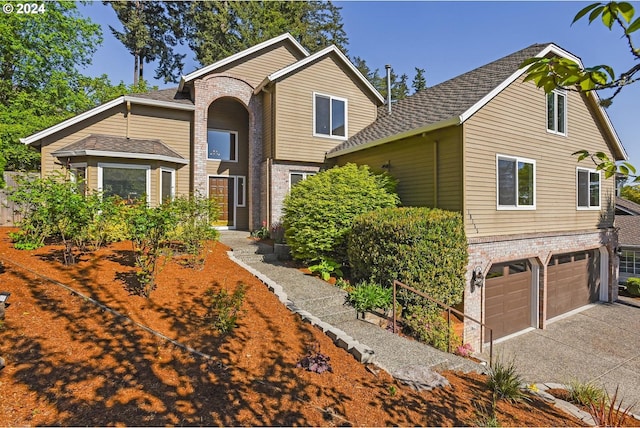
[420,378]
[1,363]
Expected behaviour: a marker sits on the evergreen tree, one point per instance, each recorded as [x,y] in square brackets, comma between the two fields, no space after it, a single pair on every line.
[218,29]
[419,81]
[151,31]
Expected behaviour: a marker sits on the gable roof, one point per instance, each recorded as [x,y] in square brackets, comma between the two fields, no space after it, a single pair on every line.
[120,147]
[165,98]
[453,102]
[212,67]
[283,73]
[627,206]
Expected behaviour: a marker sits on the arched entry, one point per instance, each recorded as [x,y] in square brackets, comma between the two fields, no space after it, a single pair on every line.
[227,162]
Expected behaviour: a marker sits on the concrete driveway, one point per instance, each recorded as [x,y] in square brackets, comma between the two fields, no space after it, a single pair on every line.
[601,344]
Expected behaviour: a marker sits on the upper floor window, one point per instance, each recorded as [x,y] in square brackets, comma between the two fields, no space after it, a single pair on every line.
[516,183]
[222,145]
[557,112]
[588,188]
[330,116]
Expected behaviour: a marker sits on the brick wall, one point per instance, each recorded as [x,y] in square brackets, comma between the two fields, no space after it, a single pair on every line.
[538,248]
[280,184]
[205,92]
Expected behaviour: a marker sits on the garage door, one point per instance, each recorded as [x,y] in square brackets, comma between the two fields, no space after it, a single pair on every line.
[508,298]
[573,280]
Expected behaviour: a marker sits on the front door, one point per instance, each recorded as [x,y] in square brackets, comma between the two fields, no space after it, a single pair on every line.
[222,190]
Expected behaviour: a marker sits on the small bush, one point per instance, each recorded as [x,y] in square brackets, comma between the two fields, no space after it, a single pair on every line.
[608,412]
[585,394]
[426,324]
[633,286]
[194,218]
[327,268]
[315,361]
[224,309]
[421,247]
[318,211]
[505,382]
[368,296]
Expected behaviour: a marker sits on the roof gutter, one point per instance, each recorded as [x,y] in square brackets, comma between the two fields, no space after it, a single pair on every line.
[454,121]
[127,155]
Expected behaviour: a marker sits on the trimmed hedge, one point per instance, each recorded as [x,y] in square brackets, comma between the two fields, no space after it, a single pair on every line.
[633,286]
[421,247]
[318,211]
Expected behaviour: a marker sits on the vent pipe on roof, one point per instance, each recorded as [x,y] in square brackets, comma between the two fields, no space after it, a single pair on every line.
[388,67]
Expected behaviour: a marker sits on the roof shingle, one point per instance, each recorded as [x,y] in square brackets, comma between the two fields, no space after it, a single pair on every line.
[441,102]
[111,143]
[171,95]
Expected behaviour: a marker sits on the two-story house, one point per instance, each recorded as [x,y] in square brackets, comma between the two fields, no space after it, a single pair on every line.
[242,130]
[499,150]
[486,144]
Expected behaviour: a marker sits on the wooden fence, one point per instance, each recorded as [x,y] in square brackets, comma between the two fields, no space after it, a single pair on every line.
[9,211]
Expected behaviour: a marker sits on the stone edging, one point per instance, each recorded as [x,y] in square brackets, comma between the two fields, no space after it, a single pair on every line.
[360,352]
[565,405]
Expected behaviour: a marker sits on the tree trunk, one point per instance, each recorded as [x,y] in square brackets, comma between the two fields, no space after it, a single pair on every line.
[136,71]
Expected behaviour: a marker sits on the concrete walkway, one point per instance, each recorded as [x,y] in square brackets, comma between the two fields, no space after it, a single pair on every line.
[600,344]
[323,305]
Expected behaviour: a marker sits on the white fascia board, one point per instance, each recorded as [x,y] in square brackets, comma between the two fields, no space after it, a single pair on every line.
[428,128]
[240,55]
[158,103]
[72,121]
[297,65]
[125,155]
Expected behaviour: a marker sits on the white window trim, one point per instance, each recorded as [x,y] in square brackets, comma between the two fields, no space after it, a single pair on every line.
[72,175]
[130,166]
[235,192]
[235,150]
[589,171]
[244,190]
[305,175]
[515,207]
[555,93]
[173,183]
[346,117]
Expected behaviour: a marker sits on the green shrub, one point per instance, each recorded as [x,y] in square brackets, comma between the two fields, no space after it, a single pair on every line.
[224,309]
[421,247]
[426,324]
[368,296]
[633,286]
[585,394]
[195,216]
[505,382]
[325,268]
[318,211]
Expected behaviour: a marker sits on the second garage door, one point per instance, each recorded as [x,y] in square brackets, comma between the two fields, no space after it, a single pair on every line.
[508,298]
[573,280]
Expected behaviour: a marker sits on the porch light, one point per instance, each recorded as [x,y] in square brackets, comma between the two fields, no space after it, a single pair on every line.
[618,251]
[478,277]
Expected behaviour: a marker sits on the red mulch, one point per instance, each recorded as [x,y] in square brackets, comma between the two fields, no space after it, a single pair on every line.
[69,362]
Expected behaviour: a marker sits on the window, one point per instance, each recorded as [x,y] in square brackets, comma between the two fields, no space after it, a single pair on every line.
[240,192]
[296,177]
[167,184]
[128,181]
[330,116]
[516,183]
[78,174]
[630,262]
[557,112]
[588,189]
[222,145]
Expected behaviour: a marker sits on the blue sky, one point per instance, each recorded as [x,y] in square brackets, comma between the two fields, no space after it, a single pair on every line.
[446,39]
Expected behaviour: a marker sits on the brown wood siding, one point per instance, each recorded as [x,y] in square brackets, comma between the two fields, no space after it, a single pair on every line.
[229,115]
[412,164]
[294,109]
[172,127]
[514,124]
[254,68]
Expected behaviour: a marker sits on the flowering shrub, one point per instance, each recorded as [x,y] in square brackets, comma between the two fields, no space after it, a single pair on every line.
[464,350]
